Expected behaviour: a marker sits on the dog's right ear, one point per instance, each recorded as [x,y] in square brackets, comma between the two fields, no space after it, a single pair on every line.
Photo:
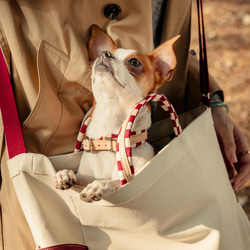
[99,42]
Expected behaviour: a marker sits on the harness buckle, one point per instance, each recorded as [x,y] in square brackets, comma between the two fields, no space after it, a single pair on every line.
[110,143]
[90,143]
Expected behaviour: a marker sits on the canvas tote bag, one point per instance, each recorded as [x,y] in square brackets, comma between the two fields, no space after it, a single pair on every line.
[182,198]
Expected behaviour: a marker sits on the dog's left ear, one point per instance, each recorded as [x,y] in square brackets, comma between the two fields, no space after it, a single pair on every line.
[163,60]
[99,42]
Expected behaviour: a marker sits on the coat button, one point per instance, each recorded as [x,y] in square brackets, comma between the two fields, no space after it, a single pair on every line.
[112,11]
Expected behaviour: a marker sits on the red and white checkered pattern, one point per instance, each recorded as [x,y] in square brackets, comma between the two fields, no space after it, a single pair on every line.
[82,131]
[124,151]
[82,134]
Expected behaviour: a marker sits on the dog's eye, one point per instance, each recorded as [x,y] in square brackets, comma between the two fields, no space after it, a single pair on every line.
[134,62]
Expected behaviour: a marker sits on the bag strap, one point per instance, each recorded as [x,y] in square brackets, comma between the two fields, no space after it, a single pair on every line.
[204,75]
[66,247]
[11,123]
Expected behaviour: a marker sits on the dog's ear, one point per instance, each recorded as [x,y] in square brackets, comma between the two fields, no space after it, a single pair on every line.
[99,42]
[163,60]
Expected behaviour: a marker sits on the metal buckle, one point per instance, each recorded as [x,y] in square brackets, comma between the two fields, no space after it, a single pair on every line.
[90,144]
[110,143]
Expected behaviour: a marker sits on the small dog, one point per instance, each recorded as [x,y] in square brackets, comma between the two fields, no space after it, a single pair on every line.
[120,79]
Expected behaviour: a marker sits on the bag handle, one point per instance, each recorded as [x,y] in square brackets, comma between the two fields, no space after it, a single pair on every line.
[12,127]
[204,75]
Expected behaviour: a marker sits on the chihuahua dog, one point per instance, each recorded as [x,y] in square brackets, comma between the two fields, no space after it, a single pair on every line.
[120,79]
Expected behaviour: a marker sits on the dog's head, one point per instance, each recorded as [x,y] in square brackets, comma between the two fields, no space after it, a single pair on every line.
[126,74]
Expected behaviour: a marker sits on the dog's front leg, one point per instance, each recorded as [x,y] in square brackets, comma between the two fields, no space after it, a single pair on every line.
[99,189]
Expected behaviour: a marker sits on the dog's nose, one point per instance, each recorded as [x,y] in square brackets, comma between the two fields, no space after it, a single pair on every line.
[106,54]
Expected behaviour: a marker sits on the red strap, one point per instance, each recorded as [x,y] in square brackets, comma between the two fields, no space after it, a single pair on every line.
[204,76]
[12,127]
[66,247]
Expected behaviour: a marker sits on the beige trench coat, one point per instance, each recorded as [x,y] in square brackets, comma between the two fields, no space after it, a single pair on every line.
[44,44]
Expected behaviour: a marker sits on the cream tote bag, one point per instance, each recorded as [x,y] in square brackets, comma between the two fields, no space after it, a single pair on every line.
[182,199]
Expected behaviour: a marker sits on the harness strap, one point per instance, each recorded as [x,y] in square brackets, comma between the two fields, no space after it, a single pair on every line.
[127,139]
[110,144]
[124,151]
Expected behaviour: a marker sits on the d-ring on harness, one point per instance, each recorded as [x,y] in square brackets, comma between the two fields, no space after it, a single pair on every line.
[125,137]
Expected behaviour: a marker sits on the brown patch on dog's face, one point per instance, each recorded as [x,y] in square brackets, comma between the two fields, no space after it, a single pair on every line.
[139,66]
[151,70]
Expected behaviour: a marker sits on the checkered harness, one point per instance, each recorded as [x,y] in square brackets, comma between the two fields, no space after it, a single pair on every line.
[124,147]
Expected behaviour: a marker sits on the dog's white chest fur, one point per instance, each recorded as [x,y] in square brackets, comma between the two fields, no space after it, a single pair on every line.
[107,119]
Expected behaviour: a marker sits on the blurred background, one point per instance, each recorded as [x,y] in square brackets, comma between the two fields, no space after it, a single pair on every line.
[227,26]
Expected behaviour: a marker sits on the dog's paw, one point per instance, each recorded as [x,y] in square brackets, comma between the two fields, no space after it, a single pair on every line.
[65,179]
[98,190]
[93,192]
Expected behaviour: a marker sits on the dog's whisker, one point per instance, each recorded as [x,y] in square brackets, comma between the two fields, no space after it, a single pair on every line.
[88,73]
